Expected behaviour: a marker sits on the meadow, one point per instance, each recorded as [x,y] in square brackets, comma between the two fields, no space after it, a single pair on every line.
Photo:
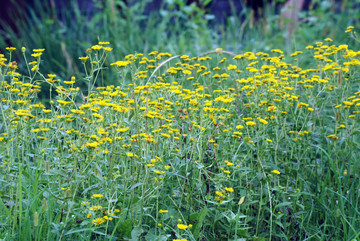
[219,146]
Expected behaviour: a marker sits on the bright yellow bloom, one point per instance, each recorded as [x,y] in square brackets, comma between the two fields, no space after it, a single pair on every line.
[10,48]
[229,189]
[239,127]
[97,195]
[250,123]
[98,221]
[97,47]
[275,172]
[182,226]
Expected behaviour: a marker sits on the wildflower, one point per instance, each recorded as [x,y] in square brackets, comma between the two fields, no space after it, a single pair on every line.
[36,55]
[165,135]
[33,69]
[163,211]
[263,121]
[187,72]
[229,164]
[121,63]
[10,49]
[108,49]
[98,221]
[182,226]
[95,208]
[333,136]
[108,218]
[250,123]
[97,195]
[275,172]
[159,172]
[349,29]
[92,144]
[229,189]
[348,103]
[83,59]
[239,127]
[130,154]
[231,67]
[97,47]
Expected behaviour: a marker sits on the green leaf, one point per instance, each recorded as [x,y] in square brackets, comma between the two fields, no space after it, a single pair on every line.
[125,229]
[135,233]
[283,204]
[199,218]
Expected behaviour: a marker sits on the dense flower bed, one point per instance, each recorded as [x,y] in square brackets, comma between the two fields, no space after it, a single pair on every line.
[255,145]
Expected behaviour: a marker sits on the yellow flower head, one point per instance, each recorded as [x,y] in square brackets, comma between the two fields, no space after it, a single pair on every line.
[182,226]
[97,195]
[275,172]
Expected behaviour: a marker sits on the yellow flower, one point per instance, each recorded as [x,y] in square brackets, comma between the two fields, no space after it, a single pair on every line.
[84,58]
[333,136]
[250,123]
[275,172]
[231,67]
[229,189]
[92,144]
[219,194]
[38,50]
[34,68]
[165,135]
[95,208]
[108,218]
[97,47]
[163,211]
[263,121]
[10,49]
[348,103]
[239,127]
[98,221]
[36,55]
[121,63]
[107,49]
[97,195]
[182,226]
[130,154]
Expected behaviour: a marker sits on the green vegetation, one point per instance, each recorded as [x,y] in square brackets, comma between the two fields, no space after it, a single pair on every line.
[149,145]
